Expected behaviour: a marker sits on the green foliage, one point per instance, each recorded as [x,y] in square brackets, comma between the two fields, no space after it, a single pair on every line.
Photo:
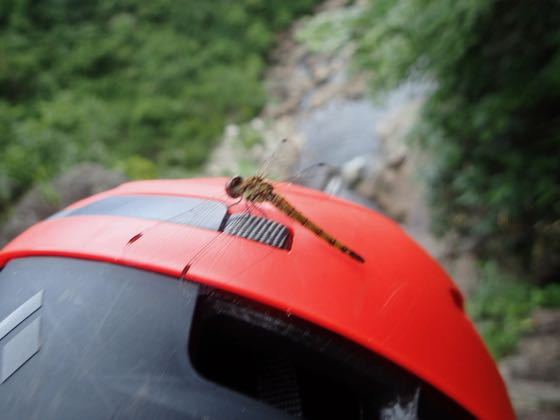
[502,306]
[492,122]
[328,31]
[249,136]
[137,167]
[125,82]
[548,296]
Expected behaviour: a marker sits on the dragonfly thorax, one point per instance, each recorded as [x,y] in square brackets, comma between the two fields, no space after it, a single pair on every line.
[253,188]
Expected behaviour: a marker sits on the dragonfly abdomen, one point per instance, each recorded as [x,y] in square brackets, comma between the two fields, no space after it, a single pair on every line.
[285,207]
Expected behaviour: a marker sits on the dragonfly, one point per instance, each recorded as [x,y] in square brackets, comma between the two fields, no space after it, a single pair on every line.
[250,192]
[256,189]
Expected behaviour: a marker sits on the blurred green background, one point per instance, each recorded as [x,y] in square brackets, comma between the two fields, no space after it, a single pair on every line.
[144,86]
[147,87]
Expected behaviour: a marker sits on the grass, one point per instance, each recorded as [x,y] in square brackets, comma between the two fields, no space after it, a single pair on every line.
[502,305]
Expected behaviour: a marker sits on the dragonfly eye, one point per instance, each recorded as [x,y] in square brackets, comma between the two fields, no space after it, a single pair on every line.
[233,187]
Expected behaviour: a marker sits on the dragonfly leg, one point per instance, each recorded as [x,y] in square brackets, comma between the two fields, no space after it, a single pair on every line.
[235,203]
[252,207]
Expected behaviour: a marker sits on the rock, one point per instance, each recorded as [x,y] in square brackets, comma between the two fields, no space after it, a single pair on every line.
[354,170]
[464,271]
[324,94]
[231,131]
[356,87]
[320,72]
[540,414]
[391,192]
[546,321]
[535,400]
[538,359]
[532,374]
[40,202]
[287,107]
[397,157]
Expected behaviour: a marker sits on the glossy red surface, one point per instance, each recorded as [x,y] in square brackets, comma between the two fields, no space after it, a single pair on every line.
[399,303]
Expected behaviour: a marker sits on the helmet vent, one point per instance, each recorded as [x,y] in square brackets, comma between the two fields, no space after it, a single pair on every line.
[258,229]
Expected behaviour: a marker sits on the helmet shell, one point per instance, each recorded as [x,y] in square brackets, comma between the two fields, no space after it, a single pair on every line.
[399,303]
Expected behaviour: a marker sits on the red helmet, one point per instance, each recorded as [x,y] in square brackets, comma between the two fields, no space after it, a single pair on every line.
[274,319]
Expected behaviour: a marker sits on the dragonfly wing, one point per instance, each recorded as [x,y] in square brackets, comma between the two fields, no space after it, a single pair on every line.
[208,214]
[162,216]
[193,211]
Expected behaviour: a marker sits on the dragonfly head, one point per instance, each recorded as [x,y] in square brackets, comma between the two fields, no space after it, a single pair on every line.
[234,187]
